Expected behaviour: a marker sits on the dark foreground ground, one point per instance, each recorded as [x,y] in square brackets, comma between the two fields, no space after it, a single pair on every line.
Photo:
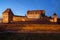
[29,36]
[4,35]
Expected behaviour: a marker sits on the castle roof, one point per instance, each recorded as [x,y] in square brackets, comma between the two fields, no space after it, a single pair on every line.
[19,16]
[8,10]
[36,12]
[54,14]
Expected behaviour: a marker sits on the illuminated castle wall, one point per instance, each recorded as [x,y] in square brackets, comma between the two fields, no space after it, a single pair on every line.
[32,15]
[35,14]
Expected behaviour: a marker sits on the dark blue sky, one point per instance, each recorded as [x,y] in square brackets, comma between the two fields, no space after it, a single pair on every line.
[20,7]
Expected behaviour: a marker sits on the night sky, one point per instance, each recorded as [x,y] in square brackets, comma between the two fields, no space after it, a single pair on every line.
[20,7]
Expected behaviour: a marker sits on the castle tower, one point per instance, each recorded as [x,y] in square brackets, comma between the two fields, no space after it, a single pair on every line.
[54,17]
[7,15]
[35,14]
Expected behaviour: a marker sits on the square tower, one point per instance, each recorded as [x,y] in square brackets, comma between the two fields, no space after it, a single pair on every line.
[7,16]
[35,14]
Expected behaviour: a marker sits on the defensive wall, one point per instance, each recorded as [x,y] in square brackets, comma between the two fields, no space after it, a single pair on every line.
[31,27]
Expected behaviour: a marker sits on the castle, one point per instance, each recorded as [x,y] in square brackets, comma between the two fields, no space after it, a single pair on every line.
[32,15]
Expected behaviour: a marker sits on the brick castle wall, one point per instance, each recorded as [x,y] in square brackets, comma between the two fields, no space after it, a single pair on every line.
[31,27]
